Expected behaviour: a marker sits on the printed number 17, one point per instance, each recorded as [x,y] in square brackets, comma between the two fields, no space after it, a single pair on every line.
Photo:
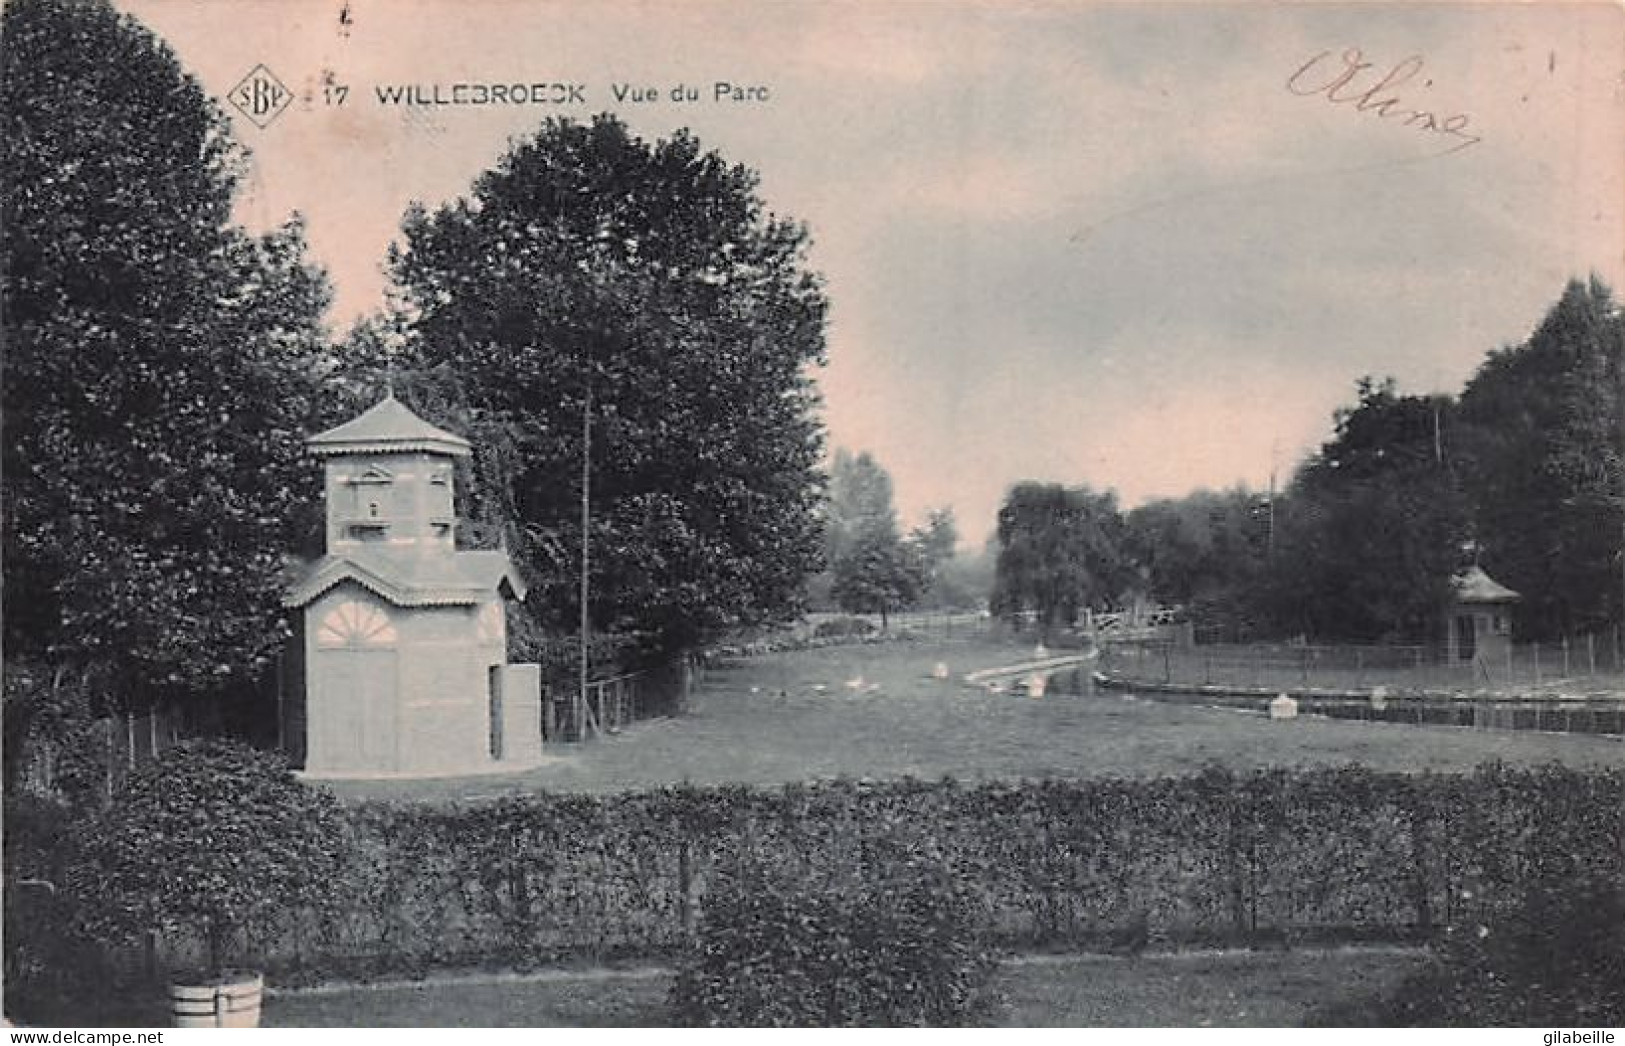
[334,94]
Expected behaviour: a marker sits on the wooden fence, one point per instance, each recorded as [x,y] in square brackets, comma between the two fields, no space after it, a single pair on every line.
[1390,683]
[607,706]
[1580,662]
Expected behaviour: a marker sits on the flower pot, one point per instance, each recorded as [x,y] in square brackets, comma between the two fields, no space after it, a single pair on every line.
[231,1000]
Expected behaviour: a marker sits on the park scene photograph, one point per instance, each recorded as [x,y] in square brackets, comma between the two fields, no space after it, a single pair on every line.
[813,515]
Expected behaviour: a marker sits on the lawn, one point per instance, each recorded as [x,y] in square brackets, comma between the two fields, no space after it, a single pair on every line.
[1273,989]
[877,711]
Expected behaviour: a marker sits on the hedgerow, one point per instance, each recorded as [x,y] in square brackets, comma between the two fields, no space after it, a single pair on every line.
[1214,858]
[1219,857]
[1557,959]
[898,942]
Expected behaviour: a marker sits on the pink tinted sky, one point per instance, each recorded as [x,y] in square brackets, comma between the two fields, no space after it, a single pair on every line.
[1086,243]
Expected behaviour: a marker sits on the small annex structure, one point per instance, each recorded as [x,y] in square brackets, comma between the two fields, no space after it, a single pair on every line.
[398,664]
[1479,620]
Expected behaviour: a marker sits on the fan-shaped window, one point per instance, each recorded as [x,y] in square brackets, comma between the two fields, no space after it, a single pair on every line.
[353,623]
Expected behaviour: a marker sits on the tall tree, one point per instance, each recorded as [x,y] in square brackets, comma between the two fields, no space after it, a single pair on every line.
[878,573]
[873,570]
[597,288]
[937,537]
[1061,550]
[1207,552]
[935,543]
[1544,428]
[860,496]
[162,365]
[1373,526]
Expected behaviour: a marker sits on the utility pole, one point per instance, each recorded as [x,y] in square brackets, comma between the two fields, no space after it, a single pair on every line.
[586,519]
[1269,534]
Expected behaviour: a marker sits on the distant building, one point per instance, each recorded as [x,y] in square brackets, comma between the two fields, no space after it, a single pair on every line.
[1479,620]
[399,664]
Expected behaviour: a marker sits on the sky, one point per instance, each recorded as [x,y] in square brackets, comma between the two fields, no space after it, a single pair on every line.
[1149,248]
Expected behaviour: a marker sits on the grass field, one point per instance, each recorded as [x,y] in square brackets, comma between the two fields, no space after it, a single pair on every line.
[794,717]
[1194,990]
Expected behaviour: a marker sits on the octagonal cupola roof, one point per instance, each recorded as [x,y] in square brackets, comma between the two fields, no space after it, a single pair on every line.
[1474,586]
[387,428]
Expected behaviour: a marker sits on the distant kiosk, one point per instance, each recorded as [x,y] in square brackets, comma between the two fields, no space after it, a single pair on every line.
[399,661]
[1479,621]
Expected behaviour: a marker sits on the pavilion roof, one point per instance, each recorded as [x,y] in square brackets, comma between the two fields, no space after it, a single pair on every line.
[387,427]
[1474,586]
[411,579]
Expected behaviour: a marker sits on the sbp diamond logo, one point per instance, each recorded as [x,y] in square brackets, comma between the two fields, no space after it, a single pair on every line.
[260,96]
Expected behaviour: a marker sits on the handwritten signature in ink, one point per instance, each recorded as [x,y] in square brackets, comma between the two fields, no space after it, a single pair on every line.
[1339,81]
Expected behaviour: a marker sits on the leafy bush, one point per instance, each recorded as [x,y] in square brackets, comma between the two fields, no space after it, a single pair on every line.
[36,830]
[842,627]
[905,944]
[1324,854]
[212,838]
[1558,960]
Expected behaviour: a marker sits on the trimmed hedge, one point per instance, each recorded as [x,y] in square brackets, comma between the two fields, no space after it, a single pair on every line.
[1557,960]
[903,942]
[1218,857]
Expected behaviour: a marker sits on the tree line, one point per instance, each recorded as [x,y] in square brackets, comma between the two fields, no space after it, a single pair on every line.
[1520,473]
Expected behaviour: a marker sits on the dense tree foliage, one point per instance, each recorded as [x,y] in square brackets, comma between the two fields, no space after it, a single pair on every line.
[1542,434]
[162,365]
[1524,473]
[859,498]
[594,285]
[936,544]
[1373,527]
[1061,550]
[873,570]
[1208,553]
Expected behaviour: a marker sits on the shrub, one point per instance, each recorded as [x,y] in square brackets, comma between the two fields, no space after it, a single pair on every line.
[1557,960]
[211,838]
[1310,855]
[842,627]
[904,945]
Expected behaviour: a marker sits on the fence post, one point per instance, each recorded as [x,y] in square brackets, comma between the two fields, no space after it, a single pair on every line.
[1591,653]
[685,886]
[111,756]
[1537,662]
[1565,656]
[1419,860]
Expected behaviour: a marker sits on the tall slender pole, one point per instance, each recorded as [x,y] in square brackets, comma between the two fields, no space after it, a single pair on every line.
[586,518]
[1269,535]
